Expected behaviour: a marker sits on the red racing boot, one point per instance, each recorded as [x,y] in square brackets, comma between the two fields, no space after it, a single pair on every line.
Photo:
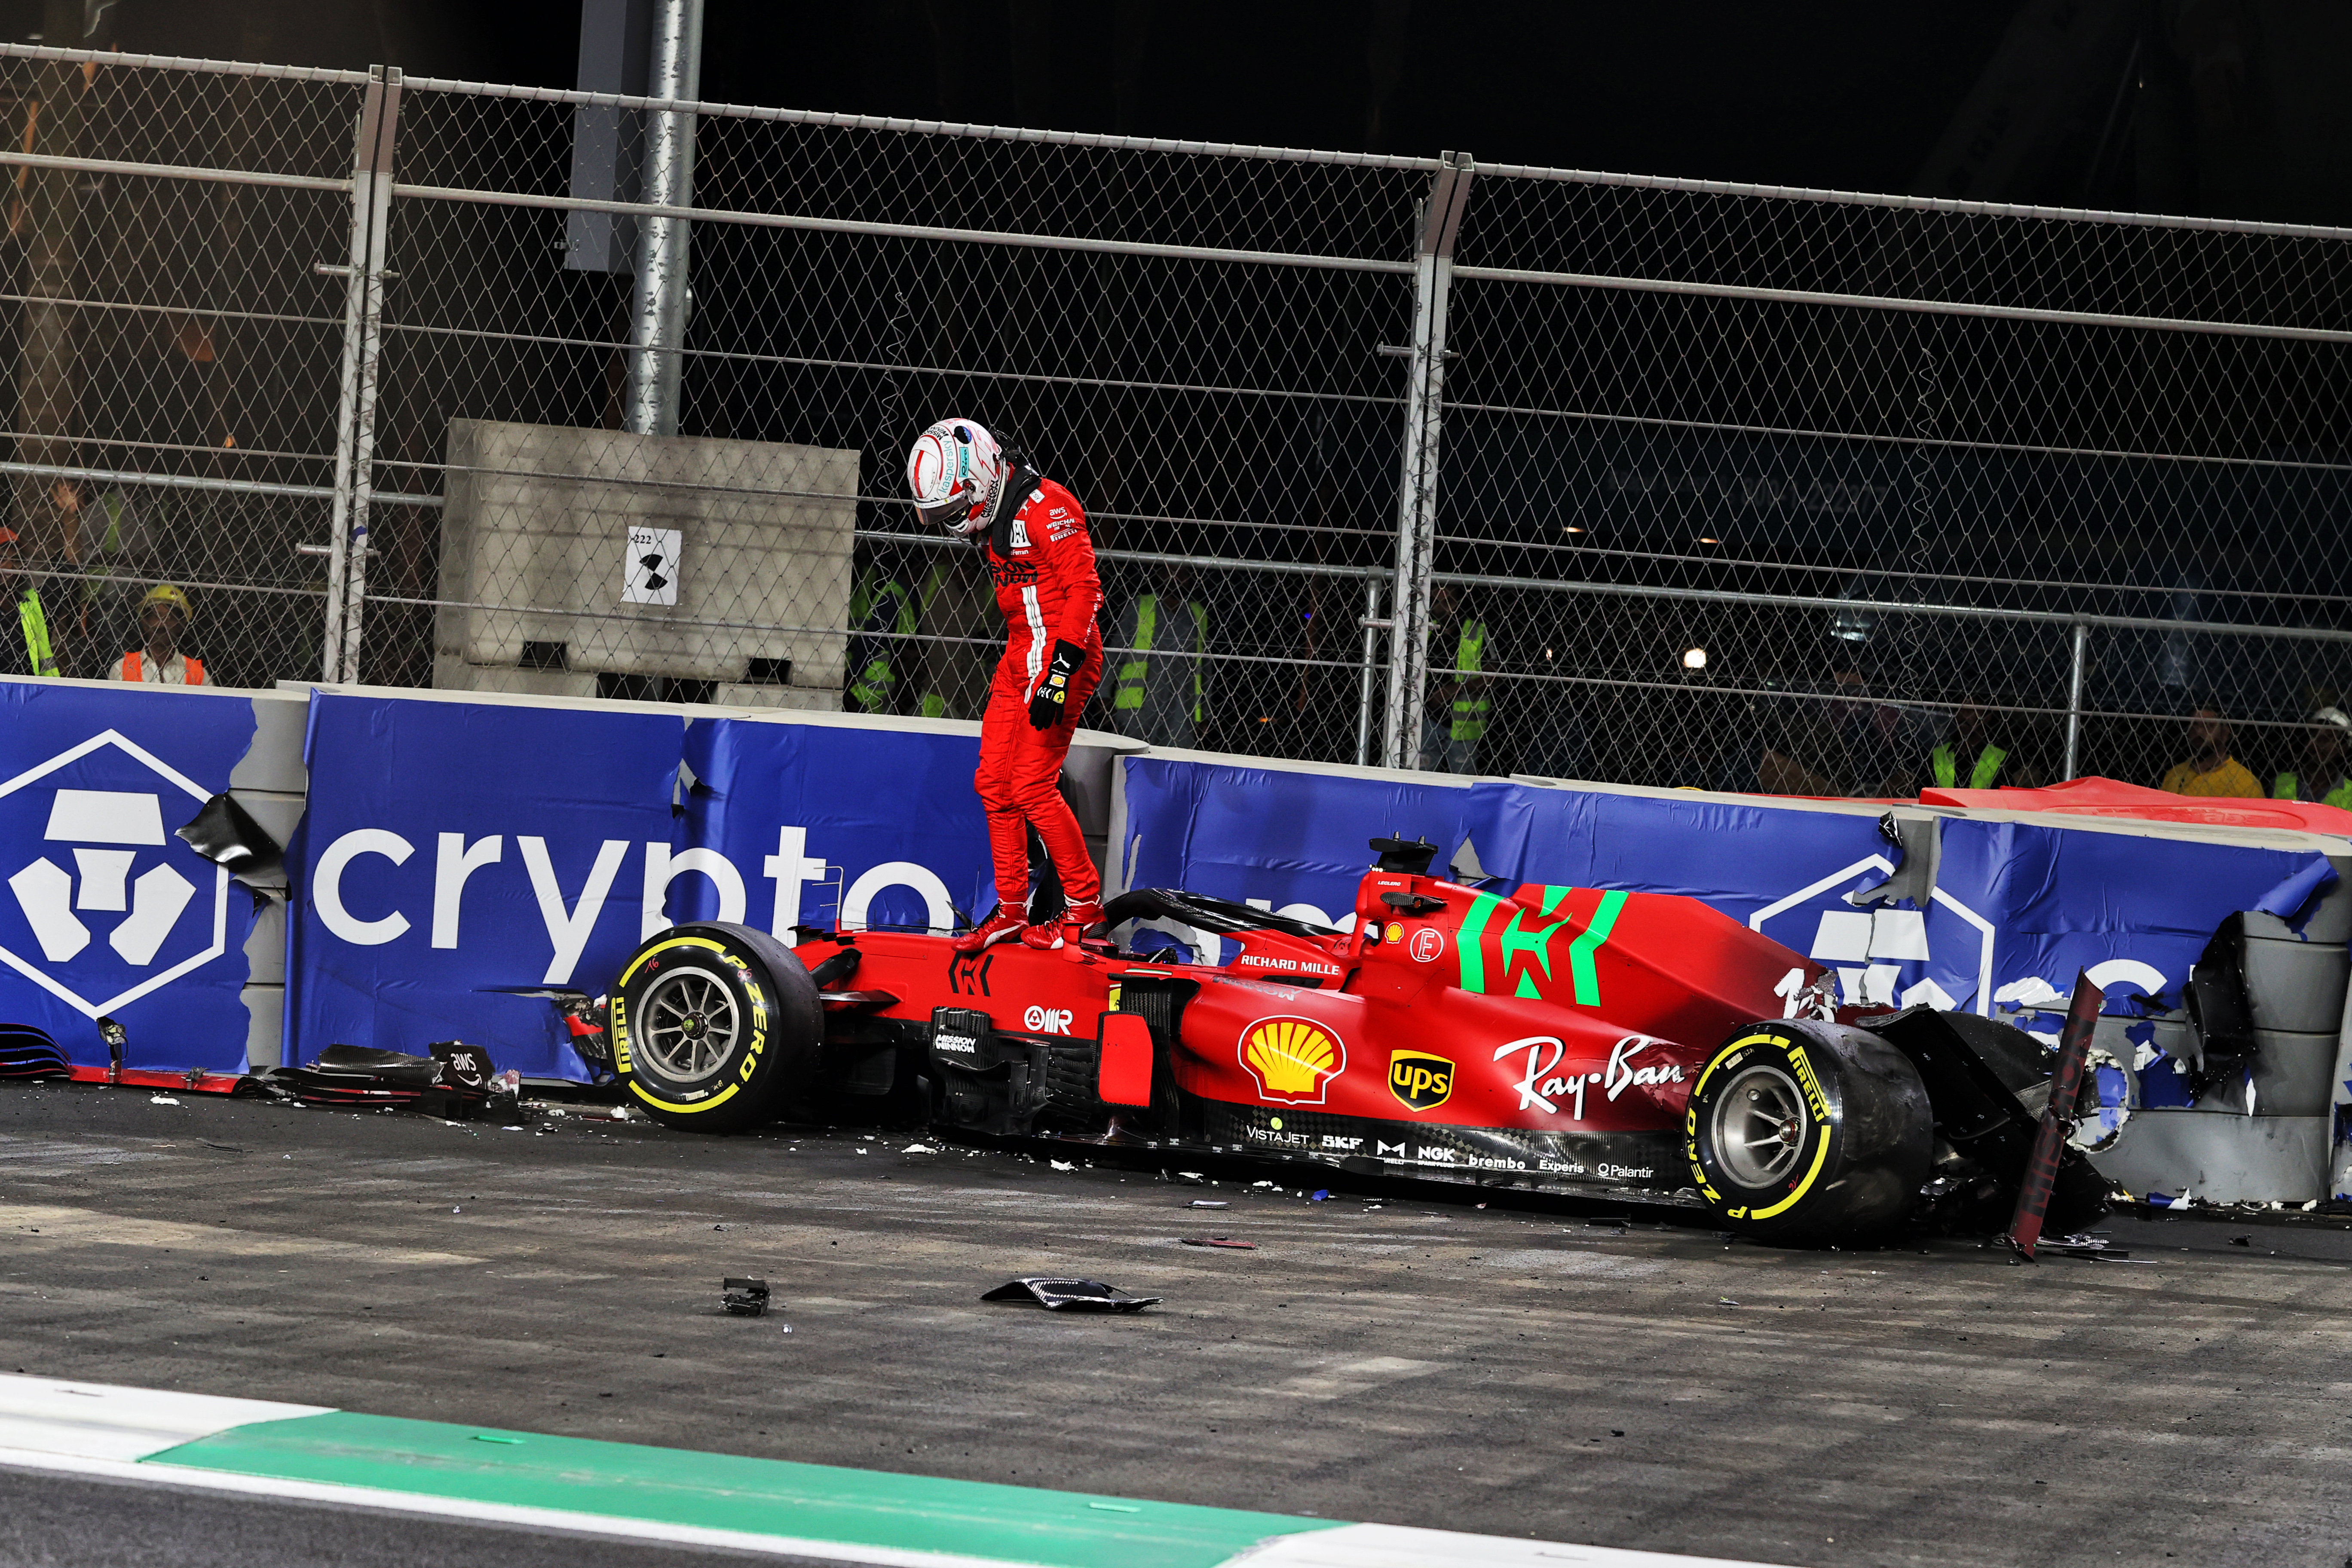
[1076,923]
[1002,926]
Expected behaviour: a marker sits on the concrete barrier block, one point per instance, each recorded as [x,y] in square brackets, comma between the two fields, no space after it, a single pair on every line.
[2219,1159]
[2296,987]
[535,548]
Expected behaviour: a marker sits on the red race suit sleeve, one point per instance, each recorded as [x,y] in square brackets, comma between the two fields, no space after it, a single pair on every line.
[1059,525]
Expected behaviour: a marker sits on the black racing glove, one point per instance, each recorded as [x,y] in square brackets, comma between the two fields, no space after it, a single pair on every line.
[1052,694]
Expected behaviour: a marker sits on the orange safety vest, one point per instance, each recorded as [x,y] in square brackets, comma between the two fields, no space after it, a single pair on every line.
[134,666]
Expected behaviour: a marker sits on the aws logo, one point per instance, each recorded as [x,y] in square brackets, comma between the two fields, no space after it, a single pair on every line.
[1421,1081]
[1294,1060]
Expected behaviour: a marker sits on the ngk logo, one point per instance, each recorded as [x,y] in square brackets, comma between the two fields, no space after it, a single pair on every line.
[103,889]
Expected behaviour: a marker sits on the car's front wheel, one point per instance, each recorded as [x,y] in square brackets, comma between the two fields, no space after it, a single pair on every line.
[1805,1131]
[712,1025]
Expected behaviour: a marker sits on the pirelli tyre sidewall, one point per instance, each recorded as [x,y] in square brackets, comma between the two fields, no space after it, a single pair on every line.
[1805,1131]
[754,998]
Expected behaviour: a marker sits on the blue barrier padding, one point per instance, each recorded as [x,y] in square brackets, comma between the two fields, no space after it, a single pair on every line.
[104,912]
[2297,897]
[2016,909]
[1288,839]
[2133,911]
[810,817]
[456,853]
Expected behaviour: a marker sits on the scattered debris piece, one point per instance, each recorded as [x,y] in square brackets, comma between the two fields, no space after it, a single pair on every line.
[225,833]
[161,1100]
[455,1083]
[745,1298]
[1262,1183]
[27,1053]
[1724,1301]
[1619,1221]
[1076,1295]
[919,1149]
[2241,1241]
[1190,1176]
[1220,1241]
[1320,1195]
[1208,1204]
[230,1148]
[1057,1165]
[2085,1246]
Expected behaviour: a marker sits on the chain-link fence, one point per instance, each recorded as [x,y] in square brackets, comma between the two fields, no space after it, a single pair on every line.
[1644,480]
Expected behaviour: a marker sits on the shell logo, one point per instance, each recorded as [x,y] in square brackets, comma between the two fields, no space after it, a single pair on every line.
[1294,1060]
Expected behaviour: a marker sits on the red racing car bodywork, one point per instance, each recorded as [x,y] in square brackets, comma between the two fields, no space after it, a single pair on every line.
[1639,1044]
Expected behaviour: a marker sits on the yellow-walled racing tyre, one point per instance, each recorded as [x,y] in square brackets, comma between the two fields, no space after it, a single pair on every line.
[713,1025]
[1804,1131]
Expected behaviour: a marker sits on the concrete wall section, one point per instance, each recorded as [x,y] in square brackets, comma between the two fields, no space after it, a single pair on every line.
[536,548]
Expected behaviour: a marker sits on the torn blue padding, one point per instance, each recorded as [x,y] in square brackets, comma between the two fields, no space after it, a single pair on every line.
[2163,1086]
[2296,900]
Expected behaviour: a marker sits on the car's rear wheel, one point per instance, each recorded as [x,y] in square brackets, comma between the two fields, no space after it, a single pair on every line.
[713,1025]
[1799,1130]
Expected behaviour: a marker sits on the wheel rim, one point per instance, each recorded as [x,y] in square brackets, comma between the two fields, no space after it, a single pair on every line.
[1760,1126]
[687,1026]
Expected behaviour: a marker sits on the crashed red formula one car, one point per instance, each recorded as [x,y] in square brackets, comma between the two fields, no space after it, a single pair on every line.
[1620,1044]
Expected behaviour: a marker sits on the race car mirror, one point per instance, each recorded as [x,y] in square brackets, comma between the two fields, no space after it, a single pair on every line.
[1404,857]
[1124,1075]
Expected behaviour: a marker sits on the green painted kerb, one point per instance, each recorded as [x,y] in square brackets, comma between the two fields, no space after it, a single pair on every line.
[727,1491]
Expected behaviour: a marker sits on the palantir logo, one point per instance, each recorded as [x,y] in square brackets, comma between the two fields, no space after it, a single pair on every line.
[92,874]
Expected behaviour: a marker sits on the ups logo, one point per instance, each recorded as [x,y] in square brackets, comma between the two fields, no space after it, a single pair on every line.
[1422,1082]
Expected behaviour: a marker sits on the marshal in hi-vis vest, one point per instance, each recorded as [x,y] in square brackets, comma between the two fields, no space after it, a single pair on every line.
[135,669]
[1469,660]
[38,657]
[2284,788]
[1982,776]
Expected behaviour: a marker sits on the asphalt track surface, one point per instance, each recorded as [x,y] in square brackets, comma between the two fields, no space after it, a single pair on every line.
[1511,1371]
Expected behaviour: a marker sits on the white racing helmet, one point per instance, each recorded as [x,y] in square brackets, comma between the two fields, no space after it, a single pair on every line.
[954,472]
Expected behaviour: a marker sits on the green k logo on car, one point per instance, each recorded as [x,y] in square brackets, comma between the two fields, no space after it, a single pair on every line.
[1522,950]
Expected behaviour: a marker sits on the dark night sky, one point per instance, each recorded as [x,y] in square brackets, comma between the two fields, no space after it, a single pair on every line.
[2230,108]
[1849,94]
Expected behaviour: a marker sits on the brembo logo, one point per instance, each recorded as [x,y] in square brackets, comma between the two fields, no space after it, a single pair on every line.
[113,906]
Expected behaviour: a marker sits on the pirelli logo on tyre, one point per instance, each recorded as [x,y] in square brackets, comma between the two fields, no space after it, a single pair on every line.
[1419,1081]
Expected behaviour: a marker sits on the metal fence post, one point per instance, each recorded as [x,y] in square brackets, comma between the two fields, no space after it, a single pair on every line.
[658,311]
[2075,701]
[338,658]
[1432,279]
[1373,626]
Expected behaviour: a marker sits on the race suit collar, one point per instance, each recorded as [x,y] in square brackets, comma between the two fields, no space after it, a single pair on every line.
[1009,497]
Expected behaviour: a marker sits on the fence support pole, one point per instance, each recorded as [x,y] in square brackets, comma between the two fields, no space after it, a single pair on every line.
[1432,279]
[2074,701]
[1372,624]
[339,657]
[658,331]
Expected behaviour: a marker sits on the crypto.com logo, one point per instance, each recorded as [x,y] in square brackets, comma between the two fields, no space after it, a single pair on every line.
[1880,953]
[101,834]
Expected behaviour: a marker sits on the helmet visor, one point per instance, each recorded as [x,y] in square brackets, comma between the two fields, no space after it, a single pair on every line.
[949,514]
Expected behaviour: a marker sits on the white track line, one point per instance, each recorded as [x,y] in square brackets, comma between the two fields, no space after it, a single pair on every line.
[107,1430]
[172,1475]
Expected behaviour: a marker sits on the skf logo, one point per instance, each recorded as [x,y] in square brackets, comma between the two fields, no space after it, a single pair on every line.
[125,869]
[1293,1059]
[1422,1082]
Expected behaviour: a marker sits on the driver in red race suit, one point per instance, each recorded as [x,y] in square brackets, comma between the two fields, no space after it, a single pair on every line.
[1033,534]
